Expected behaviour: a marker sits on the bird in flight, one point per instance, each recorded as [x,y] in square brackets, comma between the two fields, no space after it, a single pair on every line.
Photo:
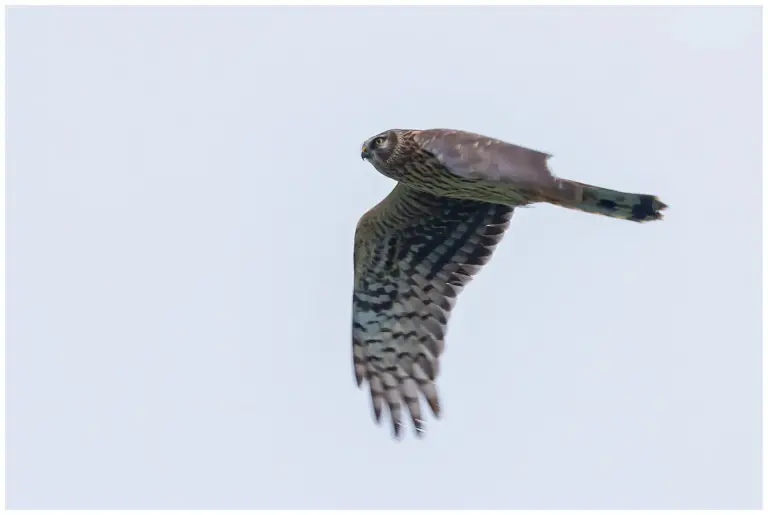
[416,249]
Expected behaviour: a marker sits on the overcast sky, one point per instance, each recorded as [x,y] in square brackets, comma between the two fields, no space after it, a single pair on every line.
[183,188]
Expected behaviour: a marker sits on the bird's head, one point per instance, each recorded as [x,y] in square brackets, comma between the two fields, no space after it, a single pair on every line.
[379,149]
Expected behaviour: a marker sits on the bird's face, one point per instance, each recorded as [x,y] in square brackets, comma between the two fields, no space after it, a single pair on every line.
[379,149]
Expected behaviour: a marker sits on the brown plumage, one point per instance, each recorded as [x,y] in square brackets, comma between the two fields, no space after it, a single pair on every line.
[465,165]
[417,249]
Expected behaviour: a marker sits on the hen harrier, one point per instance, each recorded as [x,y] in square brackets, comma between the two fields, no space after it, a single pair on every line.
[417,248]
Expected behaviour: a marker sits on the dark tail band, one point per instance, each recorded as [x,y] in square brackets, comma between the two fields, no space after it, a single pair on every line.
[636,207]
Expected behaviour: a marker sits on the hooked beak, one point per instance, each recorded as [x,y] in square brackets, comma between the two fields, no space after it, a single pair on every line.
[364,154]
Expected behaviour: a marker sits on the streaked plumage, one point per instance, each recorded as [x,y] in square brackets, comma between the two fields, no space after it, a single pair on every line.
[417,249]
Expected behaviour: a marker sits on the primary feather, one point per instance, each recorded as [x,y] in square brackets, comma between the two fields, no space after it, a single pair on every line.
[414,252]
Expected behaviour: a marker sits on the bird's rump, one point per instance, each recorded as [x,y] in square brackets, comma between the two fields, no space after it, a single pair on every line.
[414,252]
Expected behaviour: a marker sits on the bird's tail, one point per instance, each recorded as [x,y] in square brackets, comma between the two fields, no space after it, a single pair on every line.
[636,207]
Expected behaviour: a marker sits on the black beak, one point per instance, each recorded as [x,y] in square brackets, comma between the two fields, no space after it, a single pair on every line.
[365,155]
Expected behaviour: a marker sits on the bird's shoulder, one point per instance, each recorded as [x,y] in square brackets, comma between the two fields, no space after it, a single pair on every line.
[393,214]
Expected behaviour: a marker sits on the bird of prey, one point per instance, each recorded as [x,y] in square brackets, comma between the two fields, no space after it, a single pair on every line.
[417,248]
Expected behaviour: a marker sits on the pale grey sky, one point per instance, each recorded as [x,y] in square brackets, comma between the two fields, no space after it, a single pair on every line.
[183,188]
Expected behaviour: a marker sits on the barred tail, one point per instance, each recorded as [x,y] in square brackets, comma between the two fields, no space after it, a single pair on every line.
[636,207]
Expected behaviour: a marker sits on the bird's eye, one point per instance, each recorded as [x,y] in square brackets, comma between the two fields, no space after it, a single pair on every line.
[378,141]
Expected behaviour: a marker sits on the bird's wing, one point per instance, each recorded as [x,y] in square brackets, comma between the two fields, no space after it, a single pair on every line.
[414,252]
[473,156]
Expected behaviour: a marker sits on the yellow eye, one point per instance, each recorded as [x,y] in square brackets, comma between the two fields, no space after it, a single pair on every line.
[378,141]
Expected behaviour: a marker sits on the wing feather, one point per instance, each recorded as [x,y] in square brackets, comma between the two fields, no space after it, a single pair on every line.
[414,253]
[474,156]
